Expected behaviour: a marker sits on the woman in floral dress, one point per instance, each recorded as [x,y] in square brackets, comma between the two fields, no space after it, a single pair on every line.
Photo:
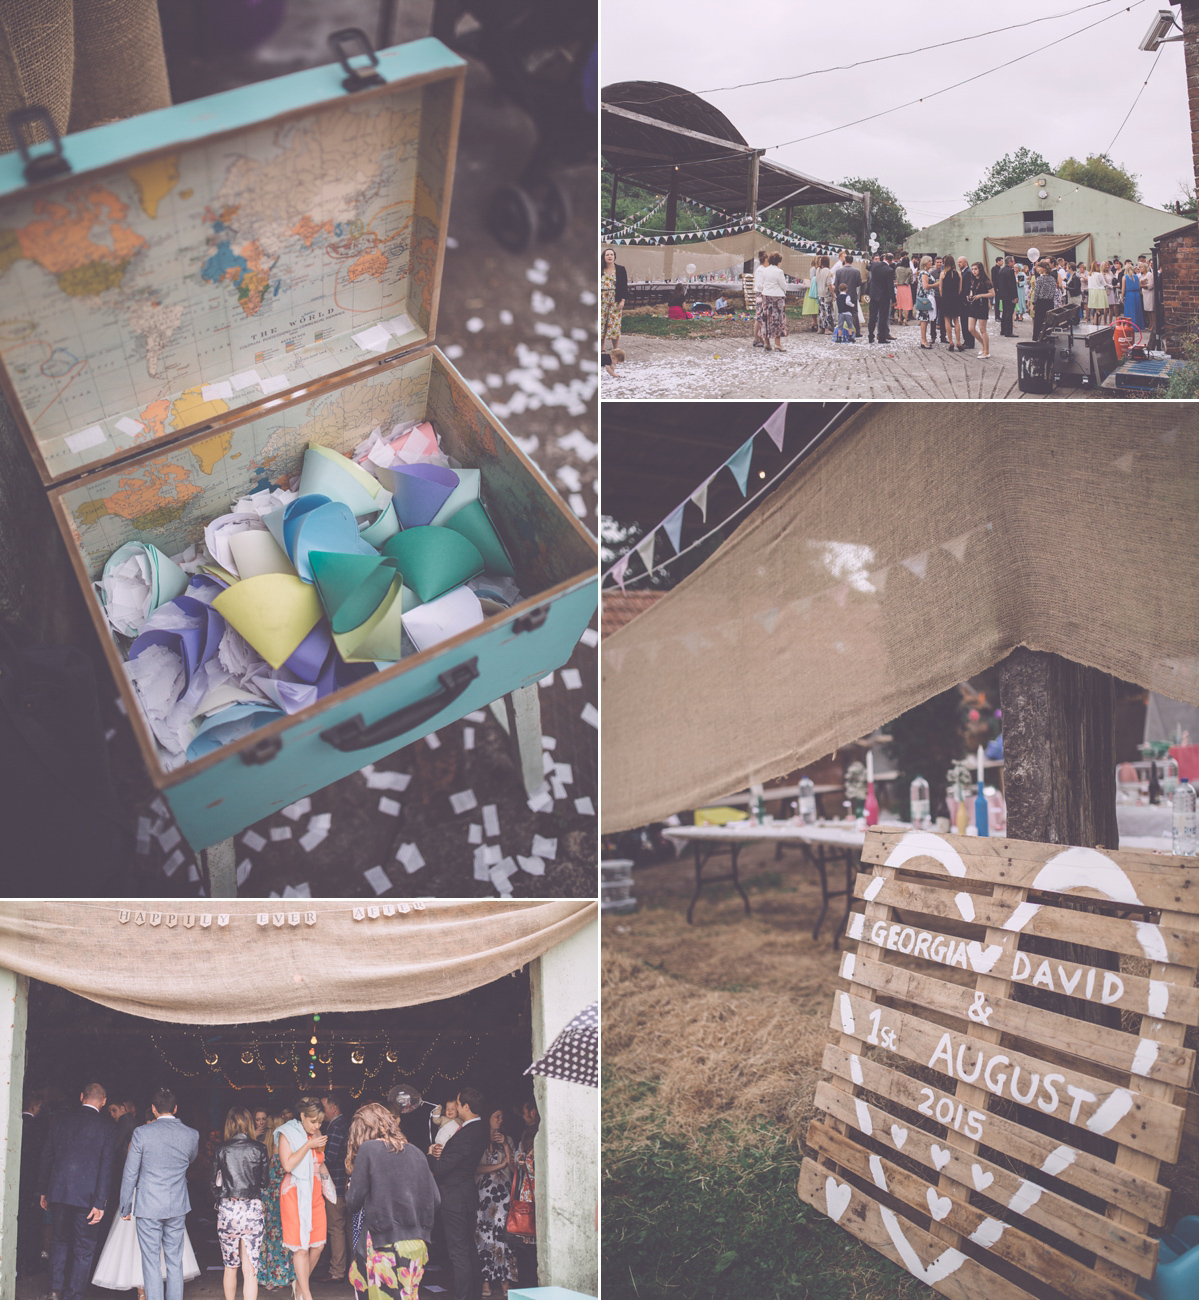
[274,1259]
[614,289]
[391,1184]
[494,1176]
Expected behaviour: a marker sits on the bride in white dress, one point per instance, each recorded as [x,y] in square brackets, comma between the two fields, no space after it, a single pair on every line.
[120,1266]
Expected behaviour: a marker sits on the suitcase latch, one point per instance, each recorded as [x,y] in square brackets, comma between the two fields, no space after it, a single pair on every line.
[261,752]
[42,166]
[531,621]
[356,78]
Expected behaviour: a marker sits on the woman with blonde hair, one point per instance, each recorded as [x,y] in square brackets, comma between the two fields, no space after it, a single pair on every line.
[926,303]
[274,1259]
[1096,295]
[824,288]
[240,1170]
[391,1183]
[303,1191]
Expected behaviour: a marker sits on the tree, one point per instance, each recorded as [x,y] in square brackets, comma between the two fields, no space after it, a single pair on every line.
[1183,204]
[844,223]
[1100,173]
[1010,170]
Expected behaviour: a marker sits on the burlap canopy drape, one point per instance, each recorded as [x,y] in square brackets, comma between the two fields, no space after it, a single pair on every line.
[920,545]
[164,968]
[1046,245]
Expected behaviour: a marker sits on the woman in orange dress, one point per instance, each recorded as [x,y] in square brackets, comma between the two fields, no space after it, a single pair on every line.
[302,1196]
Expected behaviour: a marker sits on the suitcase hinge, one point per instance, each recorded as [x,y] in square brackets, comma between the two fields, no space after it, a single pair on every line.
[531,621]
[262,752]
[42,166]
[356,78]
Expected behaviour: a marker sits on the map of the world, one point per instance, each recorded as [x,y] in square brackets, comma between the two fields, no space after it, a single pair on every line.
[145,300]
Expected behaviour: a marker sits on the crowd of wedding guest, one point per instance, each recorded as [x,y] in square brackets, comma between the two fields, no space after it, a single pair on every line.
[951,298]
[369,1194]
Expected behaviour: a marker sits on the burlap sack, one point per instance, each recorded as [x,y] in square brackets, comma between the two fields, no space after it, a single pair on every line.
[919,546]
[87,61]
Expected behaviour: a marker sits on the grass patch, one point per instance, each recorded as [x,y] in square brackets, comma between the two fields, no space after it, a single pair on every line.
[719,1216]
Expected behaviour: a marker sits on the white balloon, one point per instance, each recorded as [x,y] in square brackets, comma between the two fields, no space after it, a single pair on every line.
[690,268]
[1033,254]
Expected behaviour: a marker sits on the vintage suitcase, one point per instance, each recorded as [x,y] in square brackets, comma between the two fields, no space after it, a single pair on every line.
[147,267]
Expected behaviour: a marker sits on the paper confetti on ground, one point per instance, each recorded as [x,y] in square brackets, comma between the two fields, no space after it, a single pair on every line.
[463,801]
[378,879]
[410,856]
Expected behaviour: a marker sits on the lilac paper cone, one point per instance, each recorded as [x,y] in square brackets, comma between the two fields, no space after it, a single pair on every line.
[420,491]
[307,659]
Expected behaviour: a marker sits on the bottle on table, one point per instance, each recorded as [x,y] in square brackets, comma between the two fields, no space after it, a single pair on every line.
[1155,788]
[920,807]
[1169,777]
[871,806]
[807,801]
[1186,825]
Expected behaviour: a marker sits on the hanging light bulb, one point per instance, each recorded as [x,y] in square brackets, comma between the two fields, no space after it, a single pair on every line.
[358,1056]
[312,1040]
[392,1055]
[247,1057]
[211,1058]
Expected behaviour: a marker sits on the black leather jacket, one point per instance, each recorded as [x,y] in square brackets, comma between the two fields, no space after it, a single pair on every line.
[240,1170]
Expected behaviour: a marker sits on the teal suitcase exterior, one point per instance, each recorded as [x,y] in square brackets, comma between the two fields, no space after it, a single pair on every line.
[363,179]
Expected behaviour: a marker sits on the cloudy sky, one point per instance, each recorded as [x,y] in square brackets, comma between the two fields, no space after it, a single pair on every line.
[1064,99]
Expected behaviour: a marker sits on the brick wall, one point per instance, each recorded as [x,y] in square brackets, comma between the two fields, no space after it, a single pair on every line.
[1178,262]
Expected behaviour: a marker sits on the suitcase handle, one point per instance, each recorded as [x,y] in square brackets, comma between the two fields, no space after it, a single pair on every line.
[355,734]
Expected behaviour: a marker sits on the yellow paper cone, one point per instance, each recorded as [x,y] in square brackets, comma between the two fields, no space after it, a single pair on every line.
[273,611]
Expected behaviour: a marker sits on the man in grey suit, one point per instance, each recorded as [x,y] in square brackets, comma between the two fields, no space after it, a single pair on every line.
[156,1169]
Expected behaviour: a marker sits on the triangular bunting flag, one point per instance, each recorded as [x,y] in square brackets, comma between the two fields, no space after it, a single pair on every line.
[917,564]
[615,656]
[840,594]
[774,425]
[700,498]
[673,526]
[738,462]
[768,620]
[618,571]
[957,548]
[645,549]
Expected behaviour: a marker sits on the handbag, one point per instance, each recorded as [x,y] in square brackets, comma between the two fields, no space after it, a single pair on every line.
[520,1220]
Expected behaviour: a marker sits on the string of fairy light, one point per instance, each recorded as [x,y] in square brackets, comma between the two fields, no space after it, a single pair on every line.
[313,1069]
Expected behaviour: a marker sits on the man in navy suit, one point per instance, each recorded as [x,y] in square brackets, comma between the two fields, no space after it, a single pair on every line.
[75,1178]
[454,1168]
[156,1169]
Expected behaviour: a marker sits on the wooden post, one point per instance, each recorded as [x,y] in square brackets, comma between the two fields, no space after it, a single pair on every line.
[14,1000]
[787,218]
[672,204]
[1059,758]
[751,191]
[615,187]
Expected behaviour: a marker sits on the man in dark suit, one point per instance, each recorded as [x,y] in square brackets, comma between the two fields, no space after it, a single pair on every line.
[967,275]
[75,1179]
[1008,291]
[29,1212]
[881,286]
[994,274]
[454,1168]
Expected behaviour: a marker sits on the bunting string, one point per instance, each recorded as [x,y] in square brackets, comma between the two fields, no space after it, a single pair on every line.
[738,465]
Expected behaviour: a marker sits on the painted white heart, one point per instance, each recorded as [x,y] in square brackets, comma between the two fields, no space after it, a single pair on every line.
[983,959]
[938,1206]
[940,1156]
[899,1136]
[981,1181]
[836,1197]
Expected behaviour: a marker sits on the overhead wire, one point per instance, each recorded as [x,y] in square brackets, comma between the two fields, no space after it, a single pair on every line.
[1028,54]
[903,54]
[1135,102]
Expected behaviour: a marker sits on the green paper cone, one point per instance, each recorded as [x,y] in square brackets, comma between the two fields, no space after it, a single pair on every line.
[432,560]
[351,587]
[473,523]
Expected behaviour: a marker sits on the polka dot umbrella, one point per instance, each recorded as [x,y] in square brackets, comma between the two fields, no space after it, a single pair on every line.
[574,1054]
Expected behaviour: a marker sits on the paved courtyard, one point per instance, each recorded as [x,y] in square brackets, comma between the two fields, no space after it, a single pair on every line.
[813,366]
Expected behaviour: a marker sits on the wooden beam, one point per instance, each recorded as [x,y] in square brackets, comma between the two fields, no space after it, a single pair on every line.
[730,145]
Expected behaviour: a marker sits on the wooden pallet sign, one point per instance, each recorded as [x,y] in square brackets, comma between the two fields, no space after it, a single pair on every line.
[1008,1073]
